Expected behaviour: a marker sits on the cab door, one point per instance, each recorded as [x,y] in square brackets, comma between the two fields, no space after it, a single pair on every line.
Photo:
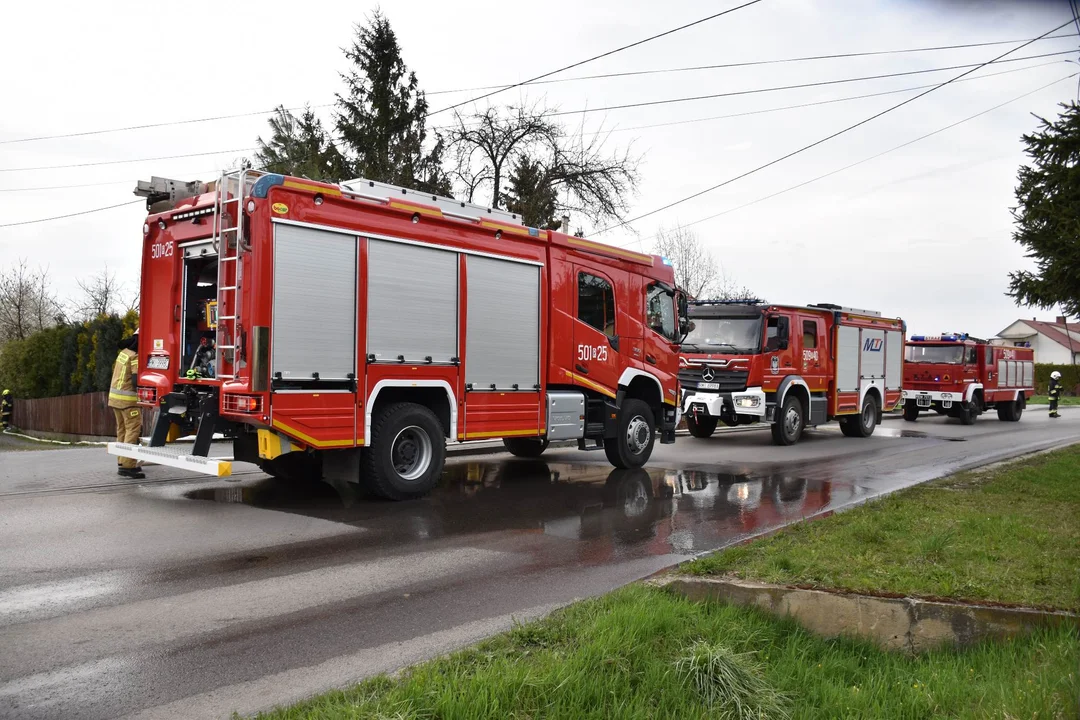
[597,346]
[779,351]
[811,332]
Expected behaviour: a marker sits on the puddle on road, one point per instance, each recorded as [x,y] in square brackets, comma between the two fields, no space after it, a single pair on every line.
[646,511]
[894,433]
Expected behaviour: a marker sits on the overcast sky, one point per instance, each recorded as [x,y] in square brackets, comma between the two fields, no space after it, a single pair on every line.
[923,232]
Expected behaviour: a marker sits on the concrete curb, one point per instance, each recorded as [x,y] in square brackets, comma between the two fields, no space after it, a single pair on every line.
[906,624]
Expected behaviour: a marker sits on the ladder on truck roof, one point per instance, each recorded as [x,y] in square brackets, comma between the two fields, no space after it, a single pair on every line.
[232,189]
[383,192]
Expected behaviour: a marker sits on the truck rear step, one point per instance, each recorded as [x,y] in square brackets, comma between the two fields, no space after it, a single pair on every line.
[174,456]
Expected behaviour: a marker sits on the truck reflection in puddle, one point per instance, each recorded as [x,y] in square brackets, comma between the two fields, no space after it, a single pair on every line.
[643,511]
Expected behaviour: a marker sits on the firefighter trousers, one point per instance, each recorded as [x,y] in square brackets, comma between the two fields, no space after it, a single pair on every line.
[128,427]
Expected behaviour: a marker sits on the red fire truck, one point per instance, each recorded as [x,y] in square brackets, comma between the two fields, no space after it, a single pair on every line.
[351,331]
[961,376]
[790,366]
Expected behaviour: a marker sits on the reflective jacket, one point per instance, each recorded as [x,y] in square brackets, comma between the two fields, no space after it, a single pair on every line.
[1055,388]
[122,386]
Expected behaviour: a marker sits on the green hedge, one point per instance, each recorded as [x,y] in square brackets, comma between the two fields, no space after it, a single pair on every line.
[68,359]
[1070,378]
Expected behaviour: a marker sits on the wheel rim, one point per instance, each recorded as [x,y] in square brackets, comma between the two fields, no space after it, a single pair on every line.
[636,501]
[638,434]
[411,452]
[868,415]
[791,421]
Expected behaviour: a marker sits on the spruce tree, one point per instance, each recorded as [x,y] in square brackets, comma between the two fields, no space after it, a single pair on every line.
[531,195]
[300,146]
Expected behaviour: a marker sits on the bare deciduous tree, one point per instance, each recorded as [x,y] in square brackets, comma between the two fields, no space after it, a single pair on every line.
[584,176]
[27,302]
[102,294]
[696,270]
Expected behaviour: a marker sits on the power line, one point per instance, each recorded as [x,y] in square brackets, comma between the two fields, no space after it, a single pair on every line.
[86,185]
[595,57]
[872,157]
[815,103]
[752,63]
[825,139]
[121,162]
[254,113]
[777,88]
[74,214]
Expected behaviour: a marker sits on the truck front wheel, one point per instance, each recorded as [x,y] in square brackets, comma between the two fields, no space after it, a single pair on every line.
[789,423]
[633,443]
[406,454]
[911,411]
[701,426]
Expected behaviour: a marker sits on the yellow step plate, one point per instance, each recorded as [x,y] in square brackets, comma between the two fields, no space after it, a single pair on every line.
[174,456]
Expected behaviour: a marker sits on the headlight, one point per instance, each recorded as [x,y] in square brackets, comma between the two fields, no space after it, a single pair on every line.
[747,402]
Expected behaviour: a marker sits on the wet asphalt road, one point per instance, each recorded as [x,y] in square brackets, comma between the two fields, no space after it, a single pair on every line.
[181,597]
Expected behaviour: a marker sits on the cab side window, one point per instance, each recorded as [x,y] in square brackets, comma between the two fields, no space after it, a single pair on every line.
[660,311]
[973,355]
[772,334]
[809,334]
[989,355]
[596,303]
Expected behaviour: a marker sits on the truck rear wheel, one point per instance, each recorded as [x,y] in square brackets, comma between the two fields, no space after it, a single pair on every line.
[1009,411]
[526,447]
[789,423]
[701,427]
[863,424]
[911,411]
[633,443]
[407,452]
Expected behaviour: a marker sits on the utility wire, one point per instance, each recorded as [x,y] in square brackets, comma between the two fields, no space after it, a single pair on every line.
[825,139]
[254,113]
[816,103]
[121,162]
[595,57]
[74,214]
[86,185]
[777,88]
[872,157]
[752,63]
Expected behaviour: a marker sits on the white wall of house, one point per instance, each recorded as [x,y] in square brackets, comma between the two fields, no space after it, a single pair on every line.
[1046,349]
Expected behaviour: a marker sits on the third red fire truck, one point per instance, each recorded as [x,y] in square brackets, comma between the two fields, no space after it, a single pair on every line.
[790,366]
[351,330]
[961,376]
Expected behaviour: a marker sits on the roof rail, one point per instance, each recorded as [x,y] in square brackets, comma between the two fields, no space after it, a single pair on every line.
[744,301]
[375,190]
[841,308]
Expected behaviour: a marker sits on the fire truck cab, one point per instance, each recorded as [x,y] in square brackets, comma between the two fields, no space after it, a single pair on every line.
[350,331]
[962,376]
[789,366]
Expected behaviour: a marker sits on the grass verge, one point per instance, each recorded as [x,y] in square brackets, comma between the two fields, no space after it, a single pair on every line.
[1008,534]
[641,652]
[1045,400]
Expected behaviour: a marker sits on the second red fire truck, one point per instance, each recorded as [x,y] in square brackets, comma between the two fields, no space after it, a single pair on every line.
[961,376]
[789,366]
[350,331]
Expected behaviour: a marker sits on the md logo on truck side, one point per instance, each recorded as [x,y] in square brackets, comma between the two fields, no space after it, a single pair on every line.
[873,345]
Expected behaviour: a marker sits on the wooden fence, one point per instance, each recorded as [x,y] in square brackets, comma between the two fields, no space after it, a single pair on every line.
[87,414]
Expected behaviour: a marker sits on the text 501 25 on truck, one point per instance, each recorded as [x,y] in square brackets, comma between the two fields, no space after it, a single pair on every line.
[351,331]
[790,366]
[961,376]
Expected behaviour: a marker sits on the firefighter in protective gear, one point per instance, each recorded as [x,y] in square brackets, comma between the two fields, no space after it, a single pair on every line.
[1055,393]
[7,406]
[123,400]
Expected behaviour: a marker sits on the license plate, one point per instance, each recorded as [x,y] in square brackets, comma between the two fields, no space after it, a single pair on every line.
[158,362]
[708,386]
[923,401]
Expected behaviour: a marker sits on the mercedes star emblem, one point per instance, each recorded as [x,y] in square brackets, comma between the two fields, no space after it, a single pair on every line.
[706,374]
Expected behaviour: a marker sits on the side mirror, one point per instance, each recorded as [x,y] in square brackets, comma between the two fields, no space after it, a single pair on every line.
[782,332]
[685,326]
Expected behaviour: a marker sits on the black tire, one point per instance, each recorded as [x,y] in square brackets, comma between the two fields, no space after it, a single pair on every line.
[1010,411]
[968,414]
[911,411]
[788,426]
[633,444]
[702,427]
[863,424]
[406,453]
[526,447]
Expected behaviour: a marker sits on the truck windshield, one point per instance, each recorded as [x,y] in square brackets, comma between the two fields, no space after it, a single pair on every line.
[733,335]
[951,354]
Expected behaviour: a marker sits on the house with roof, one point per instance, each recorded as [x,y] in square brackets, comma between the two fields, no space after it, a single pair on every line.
[1056,343]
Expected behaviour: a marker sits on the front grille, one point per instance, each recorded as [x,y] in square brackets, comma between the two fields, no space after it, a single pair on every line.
[729,380]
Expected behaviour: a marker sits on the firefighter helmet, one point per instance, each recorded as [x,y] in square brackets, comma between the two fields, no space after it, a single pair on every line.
[1056,375]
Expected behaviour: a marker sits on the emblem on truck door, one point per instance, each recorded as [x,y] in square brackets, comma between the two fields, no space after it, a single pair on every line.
[775,364]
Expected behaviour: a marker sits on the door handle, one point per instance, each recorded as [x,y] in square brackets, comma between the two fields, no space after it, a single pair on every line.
[581,369]
[650,359]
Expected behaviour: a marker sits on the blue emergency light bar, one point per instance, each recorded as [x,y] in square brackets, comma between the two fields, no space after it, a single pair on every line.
[947,337]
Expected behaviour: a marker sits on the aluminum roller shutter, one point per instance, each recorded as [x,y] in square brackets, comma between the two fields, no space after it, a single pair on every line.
[502,339]
[847,359]
[314,314]
[894,360]
[873,357]
[412,302]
